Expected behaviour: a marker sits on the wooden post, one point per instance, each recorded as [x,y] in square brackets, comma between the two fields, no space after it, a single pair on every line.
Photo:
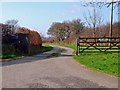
[77,46]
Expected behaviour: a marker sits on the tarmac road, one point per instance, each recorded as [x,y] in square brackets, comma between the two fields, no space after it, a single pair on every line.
[55,72]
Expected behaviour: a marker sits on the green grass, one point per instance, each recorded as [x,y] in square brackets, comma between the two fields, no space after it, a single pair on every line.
[44,48]
[12,55]
[18,54]
[106,62]
[73,46]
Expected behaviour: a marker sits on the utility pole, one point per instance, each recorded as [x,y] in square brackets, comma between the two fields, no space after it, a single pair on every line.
[94,19]
[111,22]
[111,18]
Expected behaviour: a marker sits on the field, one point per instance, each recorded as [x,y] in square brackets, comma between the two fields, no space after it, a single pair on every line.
[106,62]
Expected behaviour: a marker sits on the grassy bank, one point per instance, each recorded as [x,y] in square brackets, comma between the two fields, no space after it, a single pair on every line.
[106,62]
[18,54]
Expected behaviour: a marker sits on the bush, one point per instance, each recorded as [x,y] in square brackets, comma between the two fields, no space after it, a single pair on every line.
[8,49]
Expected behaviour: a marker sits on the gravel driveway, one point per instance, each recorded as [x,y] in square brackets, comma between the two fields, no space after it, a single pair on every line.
[55,72]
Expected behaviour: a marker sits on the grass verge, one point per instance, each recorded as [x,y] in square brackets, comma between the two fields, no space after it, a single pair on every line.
[106,62]
[18,54]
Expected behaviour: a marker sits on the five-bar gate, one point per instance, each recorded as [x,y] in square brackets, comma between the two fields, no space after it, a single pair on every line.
[101,44]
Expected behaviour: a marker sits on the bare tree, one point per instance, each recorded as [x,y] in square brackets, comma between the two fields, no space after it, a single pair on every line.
[14,25]
[77,27]
[112,3]
[57,30]
[94,19]
[64,30]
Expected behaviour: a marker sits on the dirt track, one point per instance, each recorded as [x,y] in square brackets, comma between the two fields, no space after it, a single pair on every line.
[56,72]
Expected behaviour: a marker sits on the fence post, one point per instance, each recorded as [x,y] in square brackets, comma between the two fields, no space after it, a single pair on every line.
[77,46]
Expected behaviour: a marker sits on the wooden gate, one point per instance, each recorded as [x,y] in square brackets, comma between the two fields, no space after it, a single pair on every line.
[101,44]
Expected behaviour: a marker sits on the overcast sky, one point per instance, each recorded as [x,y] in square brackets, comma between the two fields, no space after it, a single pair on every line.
[40,15]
